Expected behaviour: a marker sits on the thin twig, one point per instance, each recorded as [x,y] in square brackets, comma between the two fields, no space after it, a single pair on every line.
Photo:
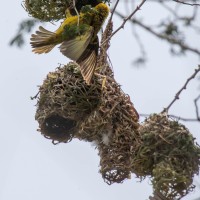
[126,19]
[131,1]
[196,107]
[183,88]
[161,36]
[35,97]
[184,119]
[174,12]
[113,10]
[143,56]
[190,4]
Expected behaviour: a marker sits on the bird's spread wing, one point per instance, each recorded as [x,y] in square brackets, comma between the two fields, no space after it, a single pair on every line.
[88,60]
[74,48]
[41,42]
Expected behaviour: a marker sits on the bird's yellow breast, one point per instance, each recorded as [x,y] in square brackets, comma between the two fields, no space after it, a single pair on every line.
[95,18]
[68,21]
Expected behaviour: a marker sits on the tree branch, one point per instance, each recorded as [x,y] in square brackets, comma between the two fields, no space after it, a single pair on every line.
[126,19]
[196,107]
[175,14]
[190,4]
[161,36]
[183,88]
[113,10]
[184,119]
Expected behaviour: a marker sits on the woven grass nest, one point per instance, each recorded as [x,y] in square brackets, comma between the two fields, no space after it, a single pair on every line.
[160,148]
[67,108]
[54,10]
[168,154]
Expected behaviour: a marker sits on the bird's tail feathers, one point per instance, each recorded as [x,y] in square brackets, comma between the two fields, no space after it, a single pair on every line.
[87,63]
[42,41]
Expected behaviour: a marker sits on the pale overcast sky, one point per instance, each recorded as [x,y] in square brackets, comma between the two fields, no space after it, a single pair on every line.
[32,168]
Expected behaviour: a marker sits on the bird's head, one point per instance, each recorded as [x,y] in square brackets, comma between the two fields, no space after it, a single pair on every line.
[103,9]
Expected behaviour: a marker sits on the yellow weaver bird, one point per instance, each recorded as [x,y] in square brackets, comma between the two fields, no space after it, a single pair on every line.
[77,36]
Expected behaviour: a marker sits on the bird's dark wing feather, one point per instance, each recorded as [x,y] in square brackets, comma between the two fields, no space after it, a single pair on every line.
[88,60]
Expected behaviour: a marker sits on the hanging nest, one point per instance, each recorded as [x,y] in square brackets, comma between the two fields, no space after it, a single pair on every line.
[54,10]
[68,108]
[160,148]
[113,127]
[65,100]
[168,154]
[46,10]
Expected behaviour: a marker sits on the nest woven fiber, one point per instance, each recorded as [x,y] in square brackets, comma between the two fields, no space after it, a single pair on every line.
[113,127]
[68,108]
[54,10]
[46,10]
[168,154]
[65,100]
[160,148]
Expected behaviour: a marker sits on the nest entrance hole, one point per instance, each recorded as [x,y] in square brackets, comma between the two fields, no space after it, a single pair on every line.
[57,127]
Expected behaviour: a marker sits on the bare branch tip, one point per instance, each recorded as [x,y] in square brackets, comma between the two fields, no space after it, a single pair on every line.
[184,87]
